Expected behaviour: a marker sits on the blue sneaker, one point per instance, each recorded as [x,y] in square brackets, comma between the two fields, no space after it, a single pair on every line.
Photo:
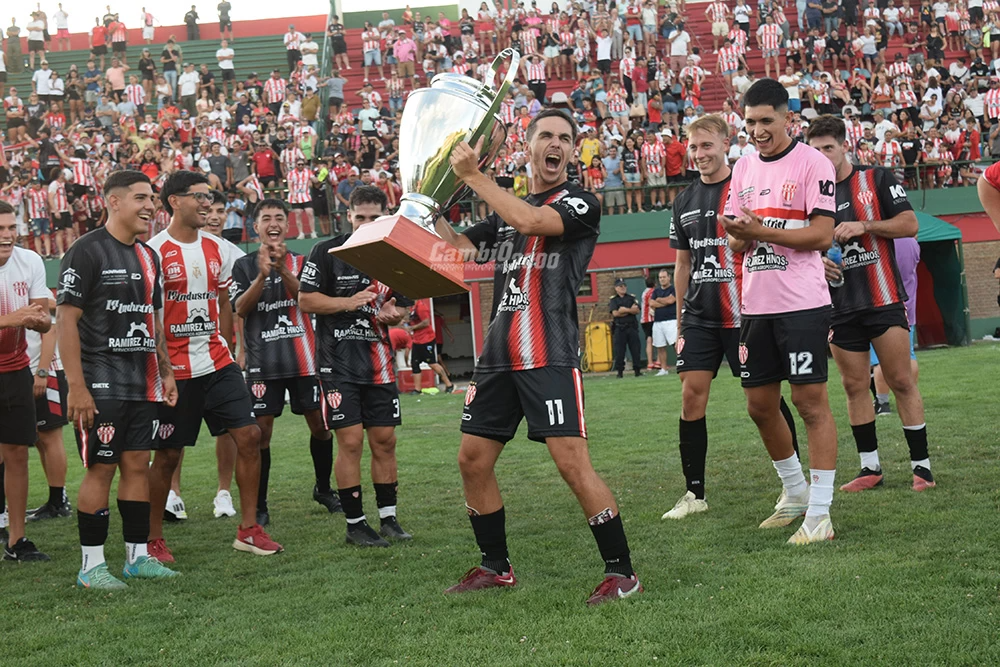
[99,578]
[147,567]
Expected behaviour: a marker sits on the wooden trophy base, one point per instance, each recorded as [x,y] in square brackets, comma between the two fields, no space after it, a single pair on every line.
[406,257]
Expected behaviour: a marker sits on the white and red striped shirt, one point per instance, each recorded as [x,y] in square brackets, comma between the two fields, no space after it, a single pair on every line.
[135,94]
[528,44]
[275,89]
[536,70]
[890,153]
[298,186]
[395,88]
[717,12]
[652,154]
[293,40]
[370,40]
[82,174]
[567,39]
[854,133]
[729,58]
[734,120]
[255,185]
[821,91]
[301,131]
[906,98]
[993,103]
[617,103]
[507,111]
[120,34]
[289,157]
[57,192]
[194,274]
[626,66]
[770,36]
[38,203]
[215,133]
[900,68]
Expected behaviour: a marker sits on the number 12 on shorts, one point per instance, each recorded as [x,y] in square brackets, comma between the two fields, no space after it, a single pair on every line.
[555,407]
[800,363]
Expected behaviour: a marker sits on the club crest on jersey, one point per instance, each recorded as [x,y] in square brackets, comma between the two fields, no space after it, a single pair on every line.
[21,288]
[680,344]
[470,394]
[214,268]
[788,191]
[334,398]
[258,389]
[106,433]
[166,430]
[744,353]
[866,197]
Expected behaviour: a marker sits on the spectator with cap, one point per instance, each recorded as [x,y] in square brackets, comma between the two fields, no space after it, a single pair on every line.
[187,88]
[625,327]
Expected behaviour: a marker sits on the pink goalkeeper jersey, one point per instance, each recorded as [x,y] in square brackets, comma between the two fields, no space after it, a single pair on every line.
[784,192]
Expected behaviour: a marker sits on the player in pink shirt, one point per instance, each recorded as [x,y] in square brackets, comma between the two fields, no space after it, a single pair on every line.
[780,213]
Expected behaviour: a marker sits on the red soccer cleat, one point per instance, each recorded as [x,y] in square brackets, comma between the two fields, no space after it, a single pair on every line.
[614,587]
[923,479]
[866,479]
[479,578]
[158,549]
[254,540]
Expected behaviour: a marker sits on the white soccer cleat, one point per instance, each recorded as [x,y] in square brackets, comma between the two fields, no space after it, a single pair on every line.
[4,522]
[175,506]
[223,505]
[688,504]
[822,531]
[788,510]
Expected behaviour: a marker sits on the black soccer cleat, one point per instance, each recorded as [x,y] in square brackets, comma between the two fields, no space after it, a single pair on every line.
[362,535]
[392,530]
[263,518]
[328,499]
[24,551]
[415,392]
[449,389]
[621,374]
[882,408]
[638,373]
[49,511]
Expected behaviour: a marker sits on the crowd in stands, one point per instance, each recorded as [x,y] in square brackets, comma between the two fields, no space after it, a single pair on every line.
[917,86]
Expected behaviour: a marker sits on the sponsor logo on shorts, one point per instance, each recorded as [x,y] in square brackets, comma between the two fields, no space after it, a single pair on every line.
[106,433]
[258,389]
[744,353]
[334,398]
[166,430]
[470,394]
[680,344]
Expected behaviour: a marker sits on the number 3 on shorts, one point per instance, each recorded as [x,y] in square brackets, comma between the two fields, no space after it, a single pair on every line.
[800,363]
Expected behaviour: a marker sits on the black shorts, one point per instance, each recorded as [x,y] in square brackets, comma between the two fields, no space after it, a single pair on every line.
[505,181]
[228,75]
[62,220]
[119,47]
[224,25]
[3,77]
[647,328]
[220,398]
[50,410]
[702,348]
[422,353]
[302,206]
[854,332]
[604,66]
[99,50]
[119,426]
[34,46]
[17,408]
[339,45]
[566,52]
[790,346]
[350,404]
[14,123]
[550,398]
[269,395]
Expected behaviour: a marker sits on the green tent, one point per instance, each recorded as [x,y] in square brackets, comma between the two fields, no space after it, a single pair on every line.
[942,256]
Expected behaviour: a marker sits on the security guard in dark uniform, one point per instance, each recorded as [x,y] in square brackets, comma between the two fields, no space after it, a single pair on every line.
[625,327]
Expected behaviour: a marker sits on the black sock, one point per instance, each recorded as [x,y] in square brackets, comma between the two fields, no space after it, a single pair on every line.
[611,542]
[916,440]
[865,437]
[3,494]
[694,448]
[322,456]
[786,412]
[491,536]
[385,494]
[265,476]
[57,495]
[871,384]
[350,500]
[94,528]
[135,521]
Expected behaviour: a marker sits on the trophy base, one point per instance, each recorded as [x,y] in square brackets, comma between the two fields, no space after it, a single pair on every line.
[406,257]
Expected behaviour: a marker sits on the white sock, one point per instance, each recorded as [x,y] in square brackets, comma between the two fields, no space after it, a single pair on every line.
[352,522]
[92,557]
[870,460]
[922,462]
[882,398]
[134,550]
[820,493]
[790,472]
[386,512]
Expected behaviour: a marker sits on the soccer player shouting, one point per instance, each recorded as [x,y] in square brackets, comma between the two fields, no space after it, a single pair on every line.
[118,372]
[780,213]
[278,336]
[24,304]
[197,325]
[707,280]
[353,313]
[530,365]
[869,308]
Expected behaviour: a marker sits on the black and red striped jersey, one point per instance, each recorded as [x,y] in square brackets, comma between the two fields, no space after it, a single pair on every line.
[536,280]
[117,286]
[871,277]
[352,346]
[712,298]
[277,336]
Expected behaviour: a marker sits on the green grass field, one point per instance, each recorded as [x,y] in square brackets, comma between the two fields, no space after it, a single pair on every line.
[911,579]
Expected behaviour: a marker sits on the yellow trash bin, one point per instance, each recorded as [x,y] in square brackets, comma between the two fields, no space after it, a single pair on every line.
[599,355]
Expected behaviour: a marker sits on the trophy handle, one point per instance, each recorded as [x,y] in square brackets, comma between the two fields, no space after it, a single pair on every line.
[515,64]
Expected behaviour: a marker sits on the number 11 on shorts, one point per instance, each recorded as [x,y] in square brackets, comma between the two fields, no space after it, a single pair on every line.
[555,407]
